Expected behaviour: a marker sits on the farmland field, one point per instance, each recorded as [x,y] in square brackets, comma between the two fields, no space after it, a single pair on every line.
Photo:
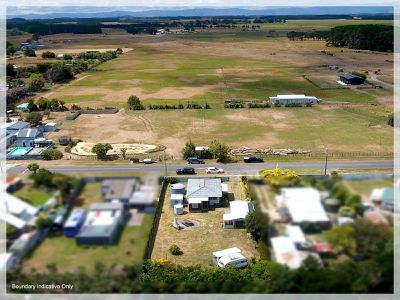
[210,67]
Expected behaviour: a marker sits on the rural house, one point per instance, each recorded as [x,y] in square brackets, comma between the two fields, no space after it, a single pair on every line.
[303,205]
[102,224]
[12,131]
[31,137]
[118,189]
[238,212]
[18,213]
[203,193]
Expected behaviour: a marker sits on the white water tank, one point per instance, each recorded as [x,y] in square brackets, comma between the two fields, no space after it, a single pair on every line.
[177,188]
[178,209]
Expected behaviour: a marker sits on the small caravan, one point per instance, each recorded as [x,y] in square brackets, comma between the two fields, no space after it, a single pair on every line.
[230,257]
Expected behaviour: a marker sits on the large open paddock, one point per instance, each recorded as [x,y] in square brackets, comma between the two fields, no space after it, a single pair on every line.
[210,67]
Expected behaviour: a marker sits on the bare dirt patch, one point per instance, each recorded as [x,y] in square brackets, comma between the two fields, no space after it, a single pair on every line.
[85,149]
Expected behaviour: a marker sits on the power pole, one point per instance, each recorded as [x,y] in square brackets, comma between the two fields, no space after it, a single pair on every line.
[326,159]
[165,164]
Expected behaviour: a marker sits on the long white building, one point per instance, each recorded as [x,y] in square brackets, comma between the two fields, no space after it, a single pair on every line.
[293,99]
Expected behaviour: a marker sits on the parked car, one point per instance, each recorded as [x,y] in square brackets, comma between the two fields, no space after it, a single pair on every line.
[195,160]
[253,159]
[148,161]
[185,171]
[214,170]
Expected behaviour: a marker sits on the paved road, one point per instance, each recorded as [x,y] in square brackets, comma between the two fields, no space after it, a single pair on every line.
[236,168]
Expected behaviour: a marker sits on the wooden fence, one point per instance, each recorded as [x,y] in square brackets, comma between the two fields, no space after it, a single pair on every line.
[76,114]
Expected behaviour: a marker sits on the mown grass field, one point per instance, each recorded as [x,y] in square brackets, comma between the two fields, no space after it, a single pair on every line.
[210,67]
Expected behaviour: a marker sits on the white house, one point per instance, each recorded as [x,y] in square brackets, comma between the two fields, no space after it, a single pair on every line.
[238,212]
[16,212]
[293,99]
[203,193]
[303,205]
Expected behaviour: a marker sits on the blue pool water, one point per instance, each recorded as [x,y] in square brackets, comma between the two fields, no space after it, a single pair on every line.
[19,151]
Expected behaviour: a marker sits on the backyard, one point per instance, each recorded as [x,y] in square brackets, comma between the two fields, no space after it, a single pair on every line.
[67,256]
[197,244]
[33,195]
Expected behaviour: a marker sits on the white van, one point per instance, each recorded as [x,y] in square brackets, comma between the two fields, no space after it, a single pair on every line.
[230,257]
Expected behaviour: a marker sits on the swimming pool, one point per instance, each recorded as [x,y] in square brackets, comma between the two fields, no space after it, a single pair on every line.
[19,151]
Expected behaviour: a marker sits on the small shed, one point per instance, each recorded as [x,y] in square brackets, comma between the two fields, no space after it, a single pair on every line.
[176,199]
[324,249]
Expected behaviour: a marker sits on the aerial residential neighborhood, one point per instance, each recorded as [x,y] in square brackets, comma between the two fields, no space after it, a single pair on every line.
[224,150]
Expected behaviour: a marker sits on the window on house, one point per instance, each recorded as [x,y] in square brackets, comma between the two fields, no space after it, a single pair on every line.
[228,222]
[195,205]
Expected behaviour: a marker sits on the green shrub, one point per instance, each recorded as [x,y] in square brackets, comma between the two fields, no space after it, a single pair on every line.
[51,154]
[175,250]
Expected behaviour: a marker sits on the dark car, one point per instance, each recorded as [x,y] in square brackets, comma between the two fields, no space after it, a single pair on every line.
[253,159]
[195,160]
[185,171]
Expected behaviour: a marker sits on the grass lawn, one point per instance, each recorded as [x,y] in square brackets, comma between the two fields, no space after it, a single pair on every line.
[33,195]
[91,193]
[365,187]
[198,243]
[68,257]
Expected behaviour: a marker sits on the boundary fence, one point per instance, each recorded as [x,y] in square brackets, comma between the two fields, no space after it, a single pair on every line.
[154,228]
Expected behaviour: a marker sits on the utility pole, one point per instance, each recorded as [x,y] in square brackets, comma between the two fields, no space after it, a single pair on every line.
[326,159]
[165,164]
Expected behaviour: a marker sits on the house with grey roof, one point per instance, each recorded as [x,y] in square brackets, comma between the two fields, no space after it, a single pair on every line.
[203,193]
[11,131]
[103,224]
[118,189]
[31,137]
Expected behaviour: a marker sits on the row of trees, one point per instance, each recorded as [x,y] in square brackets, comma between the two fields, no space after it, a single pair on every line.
[45,179]
[217,150]
[374,275]
[44,28]
[372,37]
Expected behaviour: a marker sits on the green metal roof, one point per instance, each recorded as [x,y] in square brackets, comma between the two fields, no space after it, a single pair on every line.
[388,195]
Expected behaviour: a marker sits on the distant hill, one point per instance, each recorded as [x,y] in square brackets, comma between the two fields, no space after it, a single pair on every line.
[91,12]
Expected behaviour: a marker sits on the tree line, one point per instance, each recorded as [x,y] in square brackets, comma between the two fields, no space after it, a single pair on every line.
[374,275]
[372,37]
[42,28]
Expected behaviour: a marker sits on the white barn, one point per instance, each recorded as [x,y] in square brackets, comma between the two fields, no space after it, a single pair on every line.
[294,99]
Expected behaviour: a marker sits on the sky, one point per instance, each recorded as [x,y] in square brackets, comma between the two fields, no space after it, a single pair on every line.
[192,3]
